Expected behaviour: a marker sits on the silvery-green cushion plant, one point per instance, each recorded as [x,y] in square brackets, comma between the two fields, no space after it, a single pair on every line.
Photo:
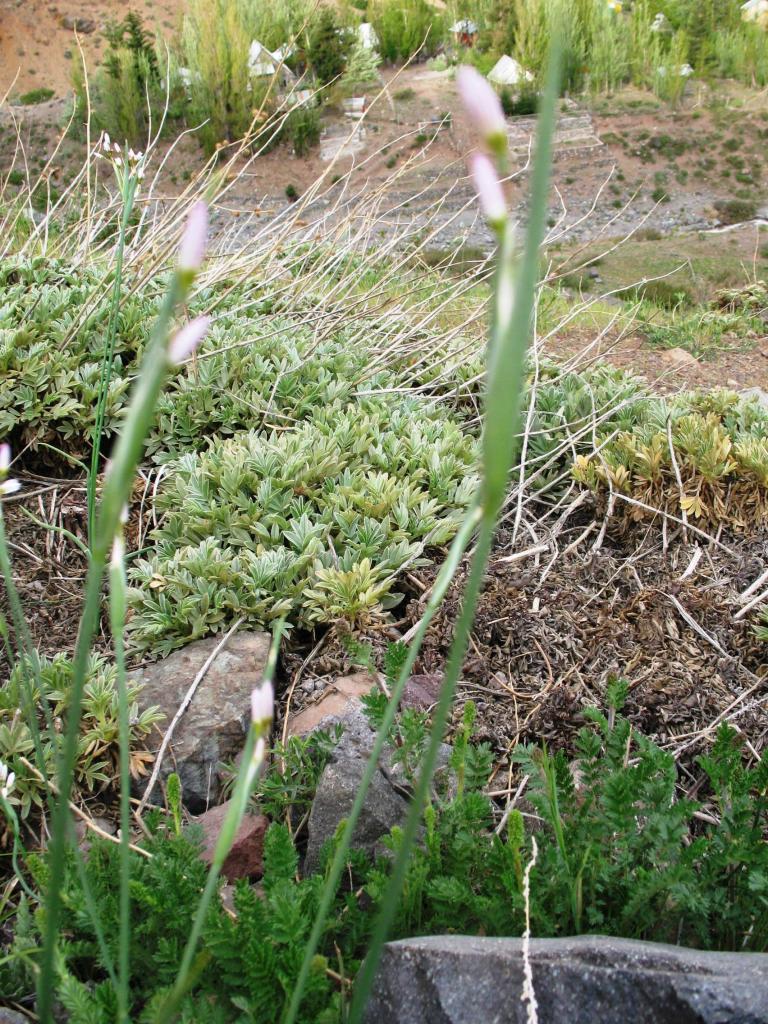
[312,523]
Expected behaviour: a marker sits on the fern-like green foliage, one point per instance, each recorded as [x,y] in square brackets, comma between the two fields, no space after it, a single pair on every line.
[313,523]
[619,852]
[97,754]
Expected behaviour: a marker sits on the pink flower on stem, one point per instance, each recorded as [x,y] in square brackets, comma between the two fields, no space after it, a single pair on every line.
[483,108]
[263,703]
[488,188]
[186,340]
[193,241]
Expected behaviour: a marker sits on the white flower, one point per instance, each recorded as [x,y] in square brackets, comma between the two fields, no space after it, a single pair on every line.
[262,703]
[483,107]
[193,241]
[185,341]
[7,780]
[6,486]
[488,189]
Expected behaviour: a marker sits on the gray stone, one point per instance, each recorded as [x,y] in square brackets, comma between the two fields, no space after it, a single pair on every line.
[461,980]
[758,394]
[12,1017]
[76,24]
[338,785]
[386,803]
[214,726]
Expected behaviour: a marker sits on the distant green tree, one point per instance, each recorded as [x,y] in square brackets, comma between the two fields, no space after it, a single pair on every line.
[363,67]
[326,51]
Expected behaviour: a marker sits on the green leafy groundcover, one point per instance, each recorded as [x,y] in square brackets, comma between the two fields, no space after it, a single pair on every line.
[273,372]
[618,852]
[313,522]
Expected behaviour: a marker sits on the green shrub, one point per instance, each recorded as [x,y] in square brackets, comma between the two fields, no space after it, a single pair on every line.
[721,450]
[516,104]
[36,96]
[215,42]
[129,86]
[404,25]
[303,129]
[326,52]
[734,211]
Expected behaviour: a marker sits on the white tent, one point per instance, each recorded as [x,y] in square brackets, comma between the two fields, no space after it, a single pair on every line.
[366,36]
[260,61]
[755,10]
[263,64]
[508,71]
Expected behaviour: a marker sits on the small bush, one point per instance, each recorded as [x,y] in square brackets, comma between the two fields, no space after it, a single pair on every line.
[734,211]
[404,25]
[516,104]
[96,768]
[291,193]
[36,96]
[313,523]
[326,51]
[620,852]
[303,130]
[721,448]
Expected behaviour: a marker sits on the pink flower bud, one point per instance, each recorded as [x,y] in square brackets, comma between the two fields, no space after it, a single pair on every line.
[5,458]
[483,107]
[262,703]
[187,339]
[488,189]
[193,241]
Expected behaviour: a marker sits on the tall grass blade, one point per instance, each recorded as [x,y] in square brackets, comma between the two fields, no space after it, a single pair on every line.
[510,329]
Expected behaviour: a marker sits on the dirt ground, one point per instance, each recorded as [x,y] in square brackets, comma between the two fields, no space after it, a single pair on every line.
[38,41]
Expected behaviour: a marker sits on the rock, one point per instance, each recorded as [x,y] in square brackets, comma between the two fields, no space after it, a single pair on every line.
[245,859]
[680,357]
[455,979]
[386,802]
[11,1017]
[72,23]
[214,726]
[422,691]
[383,808]
[758,394]
[334,704]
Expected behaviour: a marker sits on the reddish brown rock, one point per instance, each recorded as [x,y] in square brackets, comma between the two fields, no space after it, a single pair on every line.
[337,700]
[245,859]
[422,691]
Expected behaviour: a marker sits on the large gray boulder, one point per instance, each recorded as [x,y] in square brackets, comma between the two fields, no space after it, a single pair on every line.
[214,726]
[585,980]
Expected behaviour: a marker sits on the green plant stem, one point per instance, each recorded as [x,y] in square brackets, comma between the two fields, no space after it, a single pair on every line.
[117,611]
[108,359]
[413,821]
[252,760]
[439,590]
[514,296]
[116,493]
